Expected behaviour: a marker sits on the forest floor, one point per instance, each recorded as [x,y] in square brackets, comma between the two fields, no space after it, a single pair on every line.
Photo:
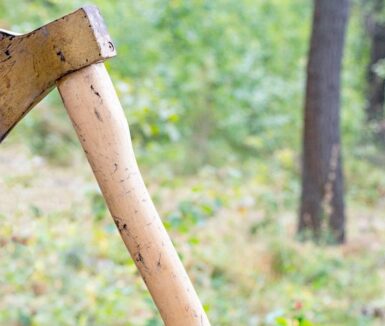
[62,260]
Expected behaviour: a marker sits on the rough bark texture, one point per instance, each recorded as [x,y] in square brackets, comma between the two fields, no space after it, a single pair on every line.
[322,202]
[376,84]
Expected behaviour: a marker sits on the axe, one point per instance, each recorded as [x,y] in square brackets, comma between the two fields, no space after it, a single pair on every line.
[69,53]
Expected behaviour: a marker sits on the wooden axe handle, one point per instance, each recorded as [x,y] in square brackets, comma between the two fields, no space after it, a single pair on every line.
[99,121]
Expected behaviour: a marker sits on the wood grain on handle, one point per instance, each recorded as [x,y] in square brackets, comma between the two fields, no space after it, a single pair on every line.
[97,115]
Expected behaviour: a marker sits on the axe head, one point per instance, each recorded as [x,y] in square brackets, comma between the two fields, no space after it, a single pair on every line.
[30,64]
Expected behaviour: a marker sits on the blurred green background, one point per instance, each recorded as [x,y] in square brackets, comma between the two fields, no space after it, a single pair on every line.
[213,92]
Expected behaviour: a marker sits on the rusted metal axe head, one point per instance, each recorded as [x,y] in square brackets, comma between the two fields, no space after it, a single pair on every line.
[30,64]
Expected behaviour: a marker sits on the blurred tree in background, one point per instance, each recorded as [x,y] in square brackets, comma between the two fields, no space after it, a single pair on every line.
[376,83]
[322,200]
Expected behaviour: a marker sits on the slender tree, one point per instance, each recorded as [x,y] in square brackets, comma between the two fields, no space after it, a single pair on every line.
[322,200]
[376,84]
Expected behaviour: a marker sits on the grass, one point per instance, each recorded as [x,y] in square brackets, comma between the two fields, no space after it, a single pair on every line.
[63,261]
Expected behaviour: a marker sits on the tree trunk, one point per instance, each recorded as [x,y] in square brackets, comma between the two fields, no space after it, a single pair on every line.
[322,201]
[376,84]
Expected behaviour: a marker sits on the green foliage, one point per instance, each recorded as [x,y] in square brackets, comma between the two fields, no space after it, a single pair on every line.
[189,71]
[300,321]
[98,205]
[230,72]
[191,213]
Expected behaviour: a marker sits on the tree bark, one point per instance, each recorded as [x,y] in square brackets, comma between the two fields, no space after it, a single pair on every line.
[376,84]
[322,200]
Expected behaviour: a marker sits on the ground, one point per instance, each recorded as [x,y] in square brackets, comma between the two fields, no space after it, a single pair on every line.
[62,259]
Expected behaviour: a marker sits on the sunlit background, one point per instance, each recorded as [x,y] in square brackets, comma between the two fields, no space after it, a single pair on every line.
[213,93]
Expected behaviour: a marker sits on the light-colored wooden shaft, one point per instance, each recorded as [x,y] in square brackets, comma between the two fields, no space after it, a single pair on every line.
[97,115]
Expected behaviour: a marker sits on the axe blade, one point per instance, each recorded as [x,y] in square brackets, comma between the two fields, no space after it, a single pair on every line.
[30,64]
